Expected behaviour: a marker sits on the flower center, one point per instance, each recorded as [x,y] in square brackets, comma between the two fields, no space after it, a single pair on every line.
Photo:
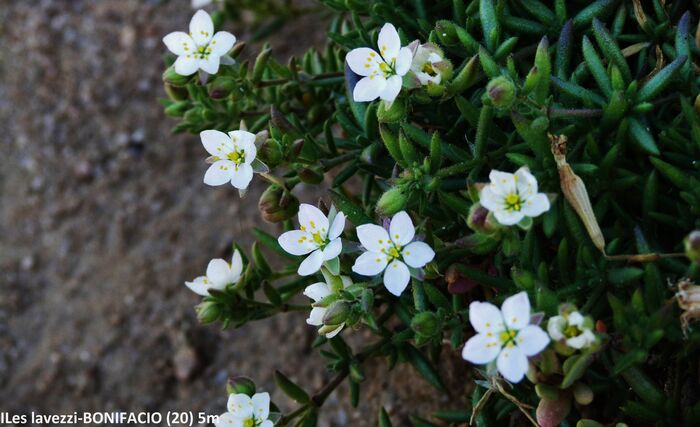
[572,331]
[513,202]
[236,157]
[250,422]
[318,239]
[507,338]
[203,52]
[428,69]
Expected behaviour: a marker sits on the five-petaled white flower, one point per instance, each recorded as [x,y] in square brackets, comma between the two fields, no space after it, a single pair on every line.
[317,235]
[201,48]
[573,329]
[219,274]
[512,197]
[246,411]
[232,156]
[505,335]
[382,71]
[391,252]
[317,292]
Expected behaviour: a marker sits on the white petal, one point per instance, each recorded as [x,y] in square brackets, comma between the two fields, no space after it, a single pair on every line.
[241,177]
[185,66]
[216,143]
[512,364]
[525,182]
[555,326]
[296,242]
[226,420]
[370,264]
[489,199]
[201,28]
[392,89]
[396,277]
[582,340]
[316,316]
[403,61]
[221,43]
[311,264]
[481,349]
[347,281]
[508,218]
[240,405]
[335,331]
[368,88]
[389,42]
[261,405]
[417,254]
[485,317]
[218,273]
[313,220]
[332,249]
[401,229]
[503,182]
[337,227]
[317,291]
[179,43]
[531,340]
[575,318]
[199,286]
[536,205]
[373,237]
[210,64]
[236,266]
[362,61]
[266,423]
[516,311]
[219,173]
[247,144]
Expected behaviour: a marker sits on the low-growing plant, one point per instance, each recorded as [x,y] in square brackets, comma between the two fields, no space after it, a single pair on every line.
[540,157]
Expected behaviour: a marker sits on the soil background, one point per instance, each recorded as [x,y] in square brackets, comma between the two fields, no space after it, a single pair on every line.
[103,216]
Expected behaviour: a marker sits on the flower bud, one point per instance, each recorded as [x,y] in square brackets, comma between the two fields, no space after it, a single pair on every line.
[583,394]
[207,312]
[276,204]
[501,92]
[392,201]
[336,314]
[692,246]
[425,323]
[173,78]
[176,93]
[222,87]
[481,220]
[393,113]
[240,385]
[270,152]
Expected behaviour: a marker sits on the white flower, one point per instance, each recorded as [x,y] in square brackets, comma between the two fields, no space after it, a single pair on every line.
[573,329]
[201,48]
[505,335]
[317,235]
[246,411]
[232,155]
[391,252]
[382,71]
[317,292]
[426,64]
[512,197]
[219,274]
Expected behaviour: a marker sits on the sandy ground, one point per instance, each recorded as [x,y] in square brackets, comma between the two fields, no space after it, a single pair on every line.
[103,216]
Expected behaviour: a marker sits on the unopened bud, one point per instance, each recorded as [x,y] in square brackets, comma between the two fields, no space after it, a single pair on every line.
[425,323]
[583,394]
[692,246]
[392,201]
[207,312]
[270,152]
[176,93]
[240,385]
[501,92]
[276,204]
[393,113]
[336,314]
[481,220]
[222,87]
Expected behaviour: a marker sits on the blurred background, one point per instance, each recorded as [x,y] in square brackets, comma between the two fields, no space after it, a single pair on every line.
[103,216]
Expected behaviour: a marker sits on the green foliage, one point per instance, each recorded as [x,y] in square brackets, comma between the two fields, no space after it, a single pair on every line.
[616,78]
